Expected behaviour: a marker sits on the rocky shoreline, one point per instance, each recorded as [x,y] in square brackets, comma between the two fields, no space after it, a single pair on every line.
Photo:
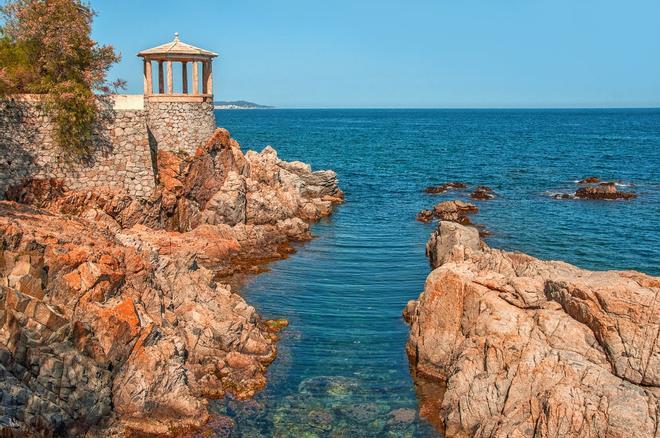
[526,347]
[114,315]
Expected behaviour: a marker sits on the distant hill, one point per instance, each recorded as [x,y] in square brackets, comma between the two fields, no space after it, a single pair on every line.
[239,104]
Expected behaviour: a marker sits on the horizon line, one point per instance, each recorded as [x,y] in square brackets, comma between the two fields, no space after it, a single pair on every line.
[476,108]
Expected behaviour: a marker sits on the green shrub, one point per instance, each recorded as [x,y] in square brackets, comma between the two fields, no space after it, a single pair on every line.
[46,48]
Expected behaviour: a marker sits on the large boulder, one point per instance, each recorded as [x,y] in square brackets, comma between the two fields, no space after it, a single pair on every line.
[534,348]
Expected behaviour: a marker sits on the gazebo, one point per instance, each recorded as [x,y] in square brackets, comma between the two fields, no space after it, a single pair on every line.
[178,51]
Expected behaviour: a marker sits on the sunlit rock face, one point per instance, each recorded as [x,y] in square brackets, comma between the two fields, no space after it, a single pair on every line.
[112,318]
[93,325]
[530,347]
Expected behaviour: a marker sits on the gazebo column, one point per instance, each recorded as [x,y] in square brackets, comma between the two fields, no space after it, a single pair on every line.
[209,78]
[148,87]
[170,84]
[161,85]
[184,77]
[195,78]
[205,77]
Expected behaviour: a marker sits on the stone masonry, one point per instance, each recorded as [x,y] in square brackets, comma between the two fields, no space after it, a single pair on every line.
[180,126]
[125,144]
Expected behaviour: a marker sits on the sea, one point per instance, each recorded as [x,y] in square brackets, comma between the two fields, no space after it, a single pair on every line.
[342,369]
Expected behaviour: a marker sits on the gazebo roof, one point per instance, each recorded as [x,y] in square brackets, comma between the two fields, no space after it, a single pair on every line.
[176,48]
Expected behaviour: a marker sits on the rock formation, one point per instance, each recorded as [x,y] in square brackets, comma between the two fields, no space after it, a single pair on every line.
[535,348]
[596,190]
[112,318]
[603,191]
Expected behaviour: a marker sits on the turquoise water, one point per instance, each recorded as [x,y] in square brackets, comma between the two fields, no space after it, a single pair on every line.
[342,369]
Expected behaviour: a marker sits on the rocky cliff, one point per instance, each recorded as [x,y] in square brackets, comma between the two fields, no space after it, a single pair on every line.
[112,317]
[534,348]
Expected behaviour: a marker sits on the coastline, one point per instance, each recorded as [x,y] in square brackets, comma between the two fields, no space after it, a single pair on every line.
[219,209]
[365,229]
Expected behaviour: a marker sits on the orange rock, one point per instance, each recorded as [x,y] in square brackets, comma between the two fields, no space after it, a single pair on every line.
[169,171]
[119,306]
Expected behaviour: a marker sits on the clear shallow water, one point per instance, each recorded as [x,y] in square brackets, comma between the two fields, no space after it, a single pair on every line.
[342,368]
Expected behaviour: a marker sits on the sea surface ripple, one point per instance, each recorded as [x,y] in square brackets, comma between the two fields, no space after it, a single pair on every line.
[342,368]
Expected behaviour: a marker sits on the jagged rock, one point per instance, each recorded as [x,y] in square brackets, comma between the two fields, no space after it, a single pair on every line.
[212,163]
[443,246]
[278,189]
[229,204]
[444,187]
[37,192]
[218,185]
[535,348]
[141,333]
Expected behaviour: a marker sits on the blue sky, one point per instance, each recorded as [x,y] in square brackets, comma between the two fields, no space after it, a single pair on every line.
[414,53]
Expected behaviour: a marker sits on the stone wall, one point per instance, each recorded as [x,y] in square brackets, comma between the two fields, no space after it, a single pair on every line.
[180,126]
[121,157]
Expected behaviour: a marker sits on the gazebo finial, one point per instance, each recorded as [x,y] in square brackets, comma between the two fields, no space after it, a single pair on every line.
[176,36]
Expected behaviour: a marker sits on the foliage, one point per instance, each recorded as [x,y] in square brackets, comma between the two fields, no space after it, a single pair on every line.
[46,48]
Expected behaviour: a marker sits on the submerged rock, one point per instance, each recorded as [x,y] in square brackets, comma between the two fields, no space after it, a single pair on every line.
[563,196]
[529,347]
[361,412]
[334,386]
[444,187]
[402,416]
[483,193]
